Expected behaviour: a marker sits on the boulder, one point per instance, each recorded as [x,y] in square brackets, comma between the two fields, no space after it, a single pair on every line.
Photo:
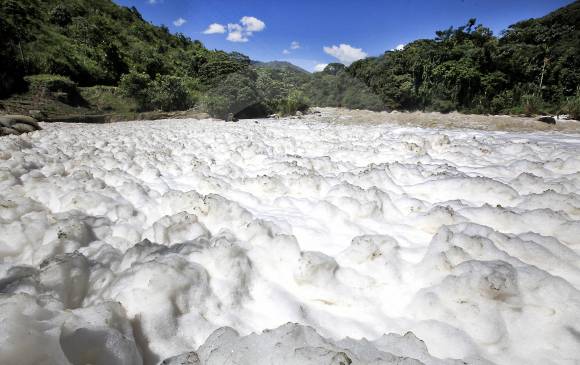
[5,131]
[548,120]
[17,124]
[231,118]
[23,128]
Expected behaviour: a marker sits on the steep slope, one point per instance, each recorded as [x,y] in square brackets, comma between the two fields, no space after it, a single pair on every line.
[531,67]
[95,42]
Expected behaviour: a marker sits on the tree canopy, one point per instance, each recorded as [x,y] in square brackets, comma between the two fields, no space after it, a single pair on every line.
[533,66]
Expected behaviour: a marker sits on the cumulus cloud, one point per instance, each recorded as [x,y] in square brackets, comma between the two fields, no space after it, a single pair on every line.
[238,32]
[179,22]
[252,24]
[286,51]
[320,67]
[345,53]
[215,28]
[400,47]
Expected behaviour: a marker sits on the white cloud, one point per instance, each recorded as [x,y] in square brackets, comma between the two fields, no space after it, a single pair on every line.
[153,2]
[235,28]
[215,28]
[293,46]
[252,24]
[345,53]
[236,33]
[400,47]
[179,22]
[320,67]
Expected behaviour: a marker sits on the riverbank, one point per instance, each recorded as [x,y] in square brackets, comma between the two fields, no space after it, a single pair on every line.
[452,120]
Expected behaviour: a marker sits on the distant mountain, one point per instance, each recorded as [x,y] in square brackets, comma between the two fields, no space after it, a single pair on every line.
[279,65]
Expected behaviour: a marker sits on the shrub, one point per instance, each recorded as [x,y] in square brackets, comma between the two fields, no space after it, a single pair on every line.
[531,104]
[136,85]
[442,106]
[502,102]
[165,92]
[572,107]
[296,101]
[60,15]
[170,93]
[216,106]
[59,87]
[50,83]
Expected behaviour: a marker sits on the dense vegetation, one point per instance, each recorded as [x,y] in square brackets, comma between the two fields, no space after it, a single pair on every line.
[53,46]
[96,42]
[532,67]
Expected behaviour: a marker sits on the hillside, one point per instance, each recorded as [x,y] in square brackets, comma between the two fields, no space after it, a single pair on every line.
[96,42]
[532,67]
[114,61]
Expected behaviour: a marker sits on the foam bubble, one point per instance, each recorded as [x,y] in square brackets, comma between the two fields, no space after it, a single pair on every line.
[198,241]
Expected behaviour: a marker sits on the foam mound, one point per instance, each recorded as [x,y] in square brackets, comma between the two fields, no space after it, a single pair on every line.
[288,241]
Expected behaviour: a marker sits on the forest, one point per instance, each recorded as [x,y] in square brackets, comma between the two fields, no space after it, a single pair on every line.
[54,47]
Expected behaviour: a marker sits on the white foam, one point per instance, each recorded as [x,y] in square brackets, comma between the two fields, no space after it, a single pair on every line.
[133,242]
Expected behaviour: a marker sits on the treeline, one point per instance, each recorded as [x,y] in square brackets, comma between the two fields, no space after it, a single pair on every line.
[96,42]
[531,68]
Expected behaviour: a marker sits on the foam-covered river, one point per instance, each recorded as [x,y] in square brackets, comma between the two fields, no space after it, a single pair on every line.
[135,242]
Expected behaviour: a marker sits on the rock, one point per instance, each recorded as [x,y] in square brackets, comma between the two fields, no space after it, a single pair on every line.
[23,128]
[17,124]
[548,120]
[231,118]
[5,131]
[299,113]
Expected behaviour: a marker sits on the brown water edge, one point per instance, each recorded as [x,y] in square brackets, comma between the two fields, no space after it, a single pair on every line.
[453,120]
[116,117]
[345,116]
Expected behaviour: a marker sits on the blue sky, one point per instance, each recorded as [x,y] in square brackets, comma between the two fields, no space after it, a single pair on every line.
[327,31]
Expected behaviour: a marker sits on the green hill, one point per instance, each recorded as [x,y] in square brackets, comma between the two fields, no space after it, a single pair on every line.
[96,42]
[532,67]
[95,56]
[279,65]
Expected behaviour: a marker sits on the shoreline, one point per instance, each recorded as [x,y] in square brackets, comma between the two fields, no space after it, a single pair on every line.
[336,115]
[453,120]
